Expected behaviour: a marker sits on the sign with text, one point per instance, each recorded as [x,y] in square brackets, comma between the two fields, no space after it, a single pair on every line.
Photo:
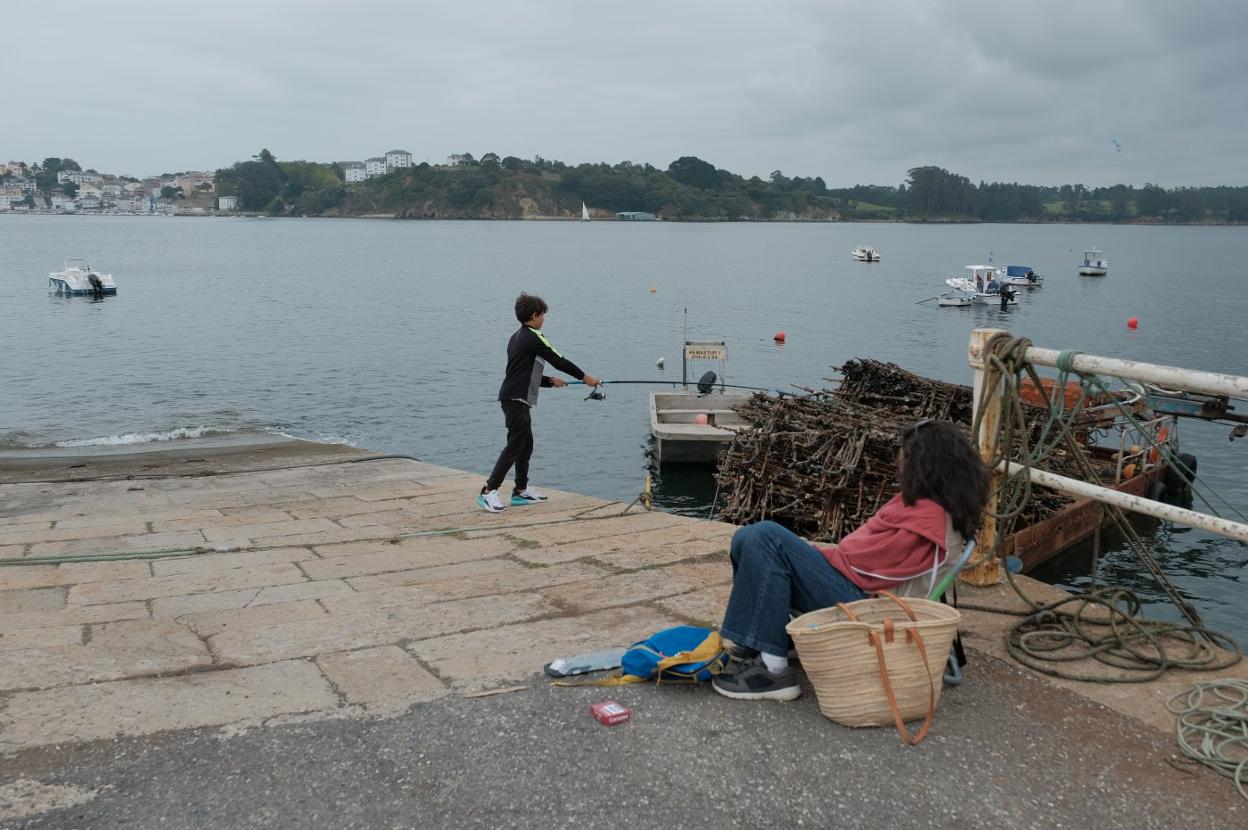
[705,351]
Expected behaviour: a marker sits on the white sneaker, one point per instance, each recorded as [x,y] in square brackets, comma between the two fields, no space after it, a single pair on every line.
[491,502]
[527,496]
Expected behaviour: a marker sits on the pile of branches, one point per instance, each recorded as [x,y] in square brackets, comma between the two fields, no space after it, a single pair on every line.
[824,462]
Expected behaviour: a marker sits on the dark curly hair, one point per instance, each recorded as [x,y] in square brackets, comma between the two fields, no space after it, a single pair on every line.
[527,305]
[937,462]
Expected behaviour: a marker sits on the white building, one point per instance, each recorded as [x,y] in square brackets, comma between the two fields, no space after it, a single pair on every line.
[89,202]
[227,203]
[375,166]
[78,176]
[398,158]
[455,160]
[27,185]
[6,201]
[353,171]
[62,202]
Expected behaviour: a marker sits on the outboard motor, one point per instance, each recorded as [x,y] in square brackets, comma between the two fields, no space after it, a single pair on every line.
[1007,294]
[706,383]
[97,287]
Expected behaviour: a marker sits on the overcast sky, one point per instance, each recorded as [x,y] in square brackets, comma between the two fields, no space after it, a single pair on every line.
[856,92]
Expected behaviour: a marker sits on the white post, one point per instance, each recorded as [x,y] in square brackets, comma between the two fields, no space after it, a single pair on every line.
[987,568]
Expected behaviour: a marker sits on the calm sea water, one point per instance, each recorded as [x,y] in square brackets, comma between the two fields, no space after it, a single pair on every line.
[391,335]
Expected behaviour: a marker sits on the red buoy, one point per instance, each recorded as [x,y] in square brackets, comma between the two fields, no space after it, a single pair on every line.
[1133,323]
[779,338]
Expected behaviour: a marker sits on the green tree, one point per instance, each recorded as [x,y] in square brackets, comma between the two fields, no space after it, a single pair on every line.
[694,172]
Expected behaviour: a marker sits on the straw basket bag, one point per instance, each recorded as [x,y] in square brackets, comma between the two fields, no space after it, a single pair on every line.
[877,661]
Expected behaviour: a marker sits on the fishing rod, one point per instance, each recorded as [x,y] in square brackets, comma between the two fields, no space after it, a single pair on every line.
[703,386]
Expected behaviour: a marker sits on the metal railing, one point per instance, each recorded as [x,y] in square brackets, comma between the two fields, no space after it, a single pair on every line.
[987,571]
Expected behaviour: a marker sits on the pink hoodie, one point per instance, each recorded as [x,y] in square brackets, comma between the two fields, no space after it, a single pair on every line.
[895,545]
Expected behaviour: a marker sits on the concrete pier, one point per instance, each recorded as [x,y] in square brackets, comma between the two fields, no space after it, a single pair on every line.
[236,591]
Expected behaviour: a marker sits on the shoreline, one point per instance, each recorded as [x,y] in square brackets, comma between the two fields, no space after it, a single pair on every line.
[789,221]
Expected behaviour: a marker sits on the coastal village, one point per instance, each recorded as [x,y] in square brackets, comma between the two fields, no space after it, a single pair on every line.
[188,193]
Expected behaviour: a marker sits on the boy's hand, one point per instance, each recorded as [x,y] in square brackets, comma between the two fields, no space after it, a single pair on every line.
[558,382]
[590,380]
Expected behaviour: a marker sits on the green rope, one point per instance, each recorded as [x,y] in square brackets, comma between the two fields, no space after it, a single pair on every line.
[120,556]
[1164,450]
[1212,720]
[1066,360]
[1105,625]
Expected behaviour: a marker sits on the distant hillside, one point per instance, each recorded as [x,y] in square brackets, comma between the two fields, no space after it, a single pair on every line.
[691,189]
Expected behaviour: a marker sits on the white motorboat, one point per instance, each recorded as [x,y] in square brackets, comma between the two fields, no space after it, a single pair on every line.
[1022,276]
[79,279]
[982,284]
[865,253]
[956,299]
[1094,264]
[692,425]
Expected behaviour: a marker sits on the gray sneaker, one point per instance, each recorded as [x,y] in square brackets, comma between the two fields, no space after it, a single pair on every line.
[752,681]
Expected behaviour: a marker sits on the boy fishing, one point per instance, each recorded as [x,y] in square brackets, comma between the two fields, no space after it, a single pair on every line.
[528,352]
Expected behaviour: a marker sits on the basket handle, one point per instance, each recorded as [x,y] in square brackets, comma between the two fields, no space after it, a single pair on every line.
[901,603]
[905,606]
[911,636]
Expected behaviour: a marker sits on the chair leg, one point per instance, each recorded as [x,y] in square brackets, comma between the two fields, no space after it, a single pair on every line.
[957,659]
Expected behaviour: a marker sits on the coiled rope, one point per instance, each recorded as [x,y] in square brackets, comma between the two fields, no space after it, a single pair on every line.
[1212,727]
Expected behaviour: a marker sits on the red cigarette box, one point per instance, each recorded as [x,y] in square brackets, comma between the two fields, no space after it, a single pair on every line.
[609,713]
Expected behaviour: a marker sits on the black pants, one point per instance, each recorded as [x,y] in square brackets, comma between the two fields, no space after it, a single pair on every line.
[519,447]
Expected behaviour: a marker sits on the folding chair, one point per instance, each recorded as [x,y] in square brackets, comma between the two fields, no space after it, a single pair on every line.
[957,655]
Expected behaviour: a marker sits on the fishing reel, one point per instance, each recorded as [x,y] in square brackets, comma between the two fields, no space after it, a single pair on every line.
[596,394]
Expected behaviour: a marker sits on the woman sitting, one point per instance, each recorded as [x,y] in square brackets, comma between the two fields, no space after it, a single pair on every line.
[904,548]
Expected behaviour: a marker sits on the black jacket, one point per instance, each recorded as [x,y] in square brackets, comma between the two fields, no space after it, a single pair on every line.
[528,352]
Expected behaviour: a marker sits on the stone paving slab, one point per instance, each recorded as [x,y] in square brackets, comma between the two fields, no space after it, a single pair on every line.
[514,652]
[374,627]
[176,606]
[77,573]
[75,615]
[226,579]
[386,678]
[138,707]
[117,650]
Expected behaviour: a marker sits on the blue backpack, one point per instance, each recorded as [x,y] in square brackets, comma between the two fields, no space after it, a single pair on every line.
[684,654]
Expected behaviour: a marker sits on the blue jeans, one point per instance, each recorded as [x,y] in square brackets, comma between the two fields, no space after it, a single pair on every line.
[776,572]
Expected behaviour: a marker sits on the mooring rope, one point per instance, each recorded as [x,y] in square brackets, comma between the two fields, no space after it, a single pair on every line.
[1213,721]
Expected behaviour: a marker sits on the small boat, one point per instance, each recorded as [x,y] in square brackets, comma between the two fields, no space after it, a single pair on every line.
[78,279]
[1094,264]
[865,253]
[584,213]
[1022,276]
[956,299]
[982,285]
[693,425]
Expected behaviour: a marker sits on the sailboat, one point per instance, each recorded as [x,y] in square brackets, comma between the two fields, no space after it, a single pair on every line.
[584,213]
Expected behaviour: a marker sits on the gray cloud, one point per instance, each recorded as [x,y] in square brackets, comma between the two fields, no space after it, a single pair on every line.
[850,91]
